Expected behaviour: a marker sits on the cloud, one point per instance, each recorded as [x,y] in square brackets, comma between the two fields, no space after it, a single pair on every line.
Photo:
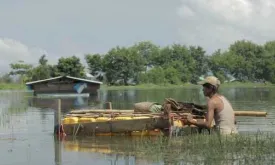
[13,51]
[216,24]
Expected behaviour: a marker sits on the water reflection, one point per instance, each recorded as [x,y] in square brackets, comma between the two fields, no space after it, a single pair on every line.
[67,103]
[112,148]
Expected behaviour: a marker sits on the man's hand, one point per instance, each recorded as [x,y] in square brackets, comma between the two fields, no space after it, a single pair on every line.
[190,119]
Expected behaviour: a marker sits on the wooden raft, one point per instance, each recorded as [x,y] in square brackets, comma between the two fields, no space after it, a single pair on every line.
[129,122]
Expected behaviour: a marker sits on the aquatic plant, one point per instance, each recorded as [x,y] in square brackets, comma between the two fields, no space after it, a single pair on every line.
[256,148]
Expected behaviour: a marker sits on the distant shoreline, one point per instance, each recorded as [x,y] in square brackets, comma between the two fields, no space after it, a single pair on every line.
[154,86]
[14,86]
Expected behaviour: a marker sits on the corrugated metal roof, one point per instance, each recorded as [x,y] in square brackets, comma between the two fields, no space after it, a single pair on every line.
[86,80]
[70,77]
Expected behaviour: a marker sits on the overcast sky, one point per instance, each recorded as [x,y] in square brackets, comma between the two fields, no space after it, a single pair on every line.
[30,28]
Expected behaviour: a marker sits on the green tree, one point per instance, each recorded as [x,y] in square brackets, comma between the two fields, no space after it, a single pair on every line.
[43,60]
[172,75]
[183,70]
[95,64]
[269,62]
[201,66]
[147,50]
[250,59]
[156,76]
[178,57]
[53,71]
[22,69]
[122,64]
[70,66]
[222,64]
[42,71]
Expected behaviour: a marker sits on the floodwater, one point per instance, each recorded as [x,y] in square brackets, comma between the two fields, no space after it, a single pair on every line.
[26,124]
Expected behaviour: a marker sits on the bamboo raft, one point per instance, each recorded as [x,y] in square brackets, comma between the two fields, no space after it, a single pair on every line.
[135,122]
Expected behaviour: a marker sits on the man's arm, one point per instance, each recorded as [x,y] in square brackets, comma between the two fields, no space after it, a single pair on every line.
[208,118]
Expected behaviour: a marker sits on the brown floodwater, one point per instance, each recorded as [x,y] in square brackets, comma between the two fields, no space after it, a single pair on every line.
[26,124]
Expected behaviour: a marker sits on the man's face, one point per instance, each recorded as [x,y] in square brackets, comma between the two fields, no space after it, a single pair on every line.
[207,89]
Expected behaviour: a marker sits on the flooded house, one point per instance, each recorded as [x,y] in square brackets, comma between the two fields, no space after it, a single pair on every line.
[64,85]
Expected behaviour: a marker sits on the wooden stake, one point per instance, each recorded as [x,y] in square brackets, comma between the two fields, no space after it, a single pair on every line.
[110,105]
[59,116]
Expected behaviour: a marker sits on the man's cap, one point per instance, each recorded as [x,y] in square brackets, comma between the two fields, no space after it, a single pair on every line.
[210,80]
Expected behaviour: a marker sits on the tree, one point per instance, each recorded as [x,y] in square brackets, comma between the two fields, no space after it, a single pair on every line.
[43,60]
[22,69]
[250,55]
[95,65]
[172,75]
[42,71]
[155,75]
[122,64]
[147,50]
[269,61]
[201,62]
[222,64]
[70,66]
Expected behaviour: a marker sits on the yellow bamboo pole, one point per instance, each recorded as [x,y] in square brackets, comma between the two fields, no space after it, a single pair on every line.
[251,113]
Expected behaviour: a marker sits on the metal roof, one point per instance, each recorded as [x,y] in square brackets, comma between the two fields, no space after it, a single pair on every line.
[70,77]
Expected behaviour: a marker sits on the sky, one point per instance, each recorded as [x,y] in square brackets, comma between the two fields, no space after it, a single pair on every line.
[62,28]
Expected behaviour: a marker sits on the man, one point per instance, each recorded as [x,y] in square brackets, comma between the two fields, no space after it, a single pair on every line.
[218,108]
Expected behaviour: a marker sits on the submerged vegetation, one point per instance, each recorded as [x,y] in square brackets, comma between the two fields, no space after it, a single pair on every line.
[245,148]
[256,148]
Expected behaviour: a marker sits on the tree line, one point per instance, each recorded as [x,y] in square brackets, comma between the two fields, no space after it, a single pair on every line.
[145,62]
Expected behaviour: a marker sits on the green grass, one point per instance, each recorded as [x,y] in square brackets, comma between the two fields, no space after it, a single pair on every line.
[12,86]
[148,86]
[191,148]
[208,149]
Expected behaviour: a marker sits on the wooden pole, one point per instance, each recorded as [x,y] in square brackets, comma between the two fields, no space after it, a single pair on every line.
[59,116]
[237,113]
[109,105]
[57,151]
[57,140]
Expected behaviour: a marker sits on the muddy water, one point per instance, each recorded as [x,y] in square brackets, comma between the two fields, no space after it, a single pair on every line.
[26,124]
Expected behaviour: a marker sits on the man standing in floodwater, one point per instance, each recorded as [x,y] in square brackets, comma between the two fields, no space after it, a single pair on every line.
[218,108]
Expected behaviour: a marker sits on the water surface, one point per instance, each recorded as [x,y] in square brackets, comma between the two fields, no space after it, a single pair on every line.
[26,124]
